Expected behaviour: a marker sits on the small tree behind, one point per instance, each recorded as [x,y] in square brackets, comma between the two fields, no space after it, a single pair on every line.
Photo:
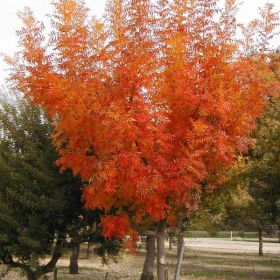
[38,205]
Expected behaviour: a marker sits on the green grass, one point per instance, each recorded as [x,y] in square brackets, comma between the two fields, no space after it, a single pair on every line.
[232,275]
[197,265]
[221,234]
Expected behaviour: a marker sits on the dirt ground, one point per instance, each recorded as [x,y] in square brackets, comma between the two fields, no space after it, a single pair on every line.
[204,260]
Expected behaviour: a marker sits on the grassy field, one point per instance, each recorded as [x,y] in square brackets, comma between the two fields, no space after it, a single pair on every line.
[197,265]
[221,234]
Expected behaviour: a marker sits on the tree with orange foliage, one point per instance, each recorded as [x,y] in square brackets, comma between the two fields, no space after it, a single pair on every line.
[151,103]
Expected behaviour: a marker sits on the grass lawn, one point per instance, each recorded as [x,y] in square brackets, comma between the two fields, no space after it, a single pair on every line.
[221,234]
[197,265]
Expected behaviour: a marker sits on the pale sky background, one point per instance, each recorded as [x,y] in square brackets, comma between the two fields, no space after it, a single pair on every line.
[9,21]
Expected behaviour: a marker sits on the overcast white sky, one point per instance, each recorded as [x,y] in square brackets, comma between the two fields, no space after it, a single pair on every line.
[9,21]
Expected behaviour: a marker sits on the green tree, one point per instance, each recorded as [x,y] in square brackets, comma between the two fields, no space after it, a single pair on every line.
[39,207]
[259,177]
[263,168]
[36,203]
[255,203]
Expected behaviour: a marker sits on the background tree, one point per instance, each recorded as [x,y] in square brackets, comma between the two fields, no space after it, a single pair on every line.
[149,102]
[38,205]
[258,172]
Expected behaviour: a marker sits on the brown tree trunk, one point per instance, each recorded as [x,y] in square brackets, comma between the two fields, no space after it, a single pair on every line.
[148,269]
[42,270]
[90,250]
[74,267]
[260,242]
[55,274]
[31,276]
[161,261]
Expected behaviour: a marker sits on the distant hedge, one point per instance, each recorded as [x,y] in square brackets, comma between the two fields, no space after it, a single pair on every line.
[220,234]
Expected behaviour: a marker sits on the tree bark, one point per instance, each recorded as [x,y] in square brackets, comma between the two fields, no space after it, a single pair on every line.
[180,255]
[74,267]
[41,270]
[170,243]
[55,274]
[90,250]
[31,276]
[161,261]
[180,241]
[148,269]
[260,242]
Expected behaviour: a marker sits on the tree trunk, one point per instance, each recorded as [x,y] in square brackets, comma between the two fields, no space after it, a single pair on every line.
[90,250]
[41,270]
[161,261]
[180,241]
[148,269]
[55,274]
[180,255]
[74,267]
[170,243]
[31,276]
[260,242]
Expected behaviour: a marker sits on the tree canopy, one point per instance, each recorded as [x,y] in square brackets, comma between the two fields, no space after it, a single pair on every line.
[151,103]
